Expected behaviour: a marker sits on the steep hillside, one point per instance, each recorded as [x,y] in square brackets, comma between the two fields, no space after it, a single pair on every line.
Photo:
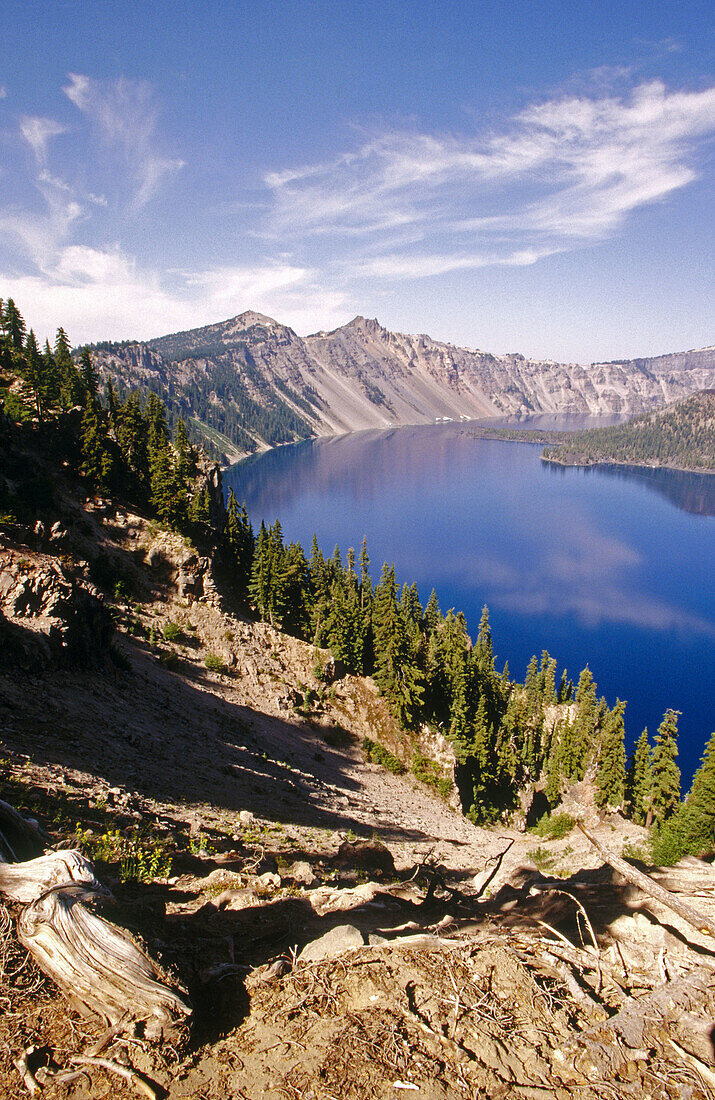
[256,383]
[681,436]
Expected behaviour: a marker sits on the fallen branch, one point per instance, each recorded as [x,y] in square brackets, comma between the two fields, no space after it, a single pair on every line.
[702,923]
[129,1075]
[490,871]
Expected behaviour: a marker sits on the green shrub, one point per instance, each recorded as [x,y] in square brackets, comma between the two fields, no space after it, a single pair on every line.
[214,663]
[543,858]
[171,631]
[429,772]
[378,754]
[140,859]
[553,826]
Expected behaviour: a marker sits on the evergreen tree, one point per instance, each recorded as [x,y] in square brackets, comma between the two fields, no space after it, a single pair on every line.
[639,782]
[70,384]
[691,829]
[88,374]
[35,373]
[665,773]
[14,326]
[580,736]
[611,772]
[433,615]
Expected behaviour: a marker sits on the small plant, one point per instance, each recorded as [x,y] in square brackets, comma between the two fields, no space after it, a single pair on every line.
[171,631]
[544,859]
[168,658]
[378,754]
[635,852]
[229,636]
[201,846]
[429,772]
[214,663]
[140,859]
[319,666]
[553,826]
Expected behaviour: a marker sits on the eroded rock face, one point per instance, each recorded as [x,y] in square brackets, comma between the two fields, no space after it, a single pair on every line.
[45,610]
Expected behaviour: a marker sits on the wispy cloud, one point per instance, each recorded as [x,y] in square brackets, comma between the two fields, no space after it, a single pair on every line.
[125,113]
[564,172]
[37,133]
[94,291]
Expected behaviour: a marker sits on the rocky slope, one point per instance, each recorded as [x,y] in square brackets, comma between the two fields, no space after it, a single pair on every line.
[342,930]
[254,381]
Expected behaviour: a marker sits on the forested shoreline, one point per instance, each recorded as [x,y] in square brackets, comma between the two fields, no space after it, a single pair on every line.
[507,736]
[680,437]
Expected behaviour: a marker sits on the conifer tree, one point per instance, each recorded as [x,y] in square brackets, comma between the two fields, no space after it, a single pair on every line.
[14,326]
[639,782]
[665,773]
[691,829]
[88,374]
[433,615]
[580,736]
[611,772]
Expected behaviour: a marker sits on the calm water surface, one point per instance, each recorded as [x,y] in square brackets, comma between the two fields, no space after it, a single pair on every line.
[606,567]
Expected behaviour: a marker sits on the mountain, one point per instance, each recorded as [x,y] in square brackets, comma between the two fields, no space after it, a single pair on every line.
[251,382]
[682,436]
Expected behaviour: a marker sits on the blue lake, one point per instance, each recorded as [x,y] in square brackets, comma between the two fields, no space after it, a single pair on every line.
[606,567]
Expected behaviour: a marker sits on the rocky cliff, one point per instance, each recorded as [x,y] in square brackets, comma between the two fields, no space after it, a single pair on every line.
[256,382]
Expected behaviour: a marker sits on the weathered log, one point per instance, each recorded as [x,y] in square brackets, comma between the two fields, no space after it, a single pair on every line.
[702,923]
[25,882]
[97,965]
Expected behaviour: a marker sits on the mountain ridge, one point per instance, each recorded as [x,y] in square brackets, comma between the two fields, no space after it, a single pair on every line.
[257,383]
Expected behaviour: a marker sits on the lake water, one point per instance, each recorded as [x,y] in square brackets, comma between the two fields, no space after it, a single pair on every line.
[606,567]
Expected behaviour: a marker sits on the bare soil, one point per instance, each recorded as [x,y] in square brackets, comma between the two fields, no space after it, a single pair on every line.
[236,776]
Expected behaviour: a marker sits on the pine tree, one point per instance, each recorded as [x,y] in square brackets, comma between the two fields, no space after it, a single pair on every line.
[70,384]
[433,615]
[580,736]
[665,773]
[639,782]
[88,374]
[611,772]
[691,829]
[35,373]
[14,326]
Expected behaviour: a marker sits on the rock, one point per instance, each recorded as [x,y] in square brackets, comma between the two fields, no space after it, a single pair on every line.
[301,873]
[344,937]
[237,899]
[268,881]
[328,900]
[366,855]
[246,817]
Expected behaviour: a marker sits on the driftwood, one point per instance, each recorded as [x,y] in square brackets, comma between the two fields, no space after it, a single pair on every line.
[98,966]
[702,923]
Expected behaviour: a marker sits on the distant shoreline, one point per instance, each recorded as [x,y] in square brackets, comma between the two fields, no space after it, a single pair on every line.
[585,465]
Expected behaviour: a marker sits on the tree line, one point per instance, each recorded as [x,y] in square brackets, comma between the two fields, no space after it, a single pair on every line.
[507,736]
[681,436]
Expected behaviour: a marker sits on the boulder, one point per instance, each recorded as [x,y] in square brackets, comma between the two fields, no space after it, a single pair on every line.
[344,937]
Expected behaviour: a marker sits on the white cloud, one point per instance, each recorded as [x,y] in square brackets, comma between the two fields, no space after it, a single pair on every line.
[125,114]
[103,293]
[37,133]
[565,171]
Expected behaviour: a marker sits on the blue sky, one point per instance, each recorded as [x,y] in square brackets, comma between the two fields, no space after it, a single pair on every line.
[531,176]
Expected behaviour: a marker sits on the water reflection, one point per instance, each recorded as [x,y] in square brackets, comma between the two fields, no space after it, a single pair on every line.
[608,567]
